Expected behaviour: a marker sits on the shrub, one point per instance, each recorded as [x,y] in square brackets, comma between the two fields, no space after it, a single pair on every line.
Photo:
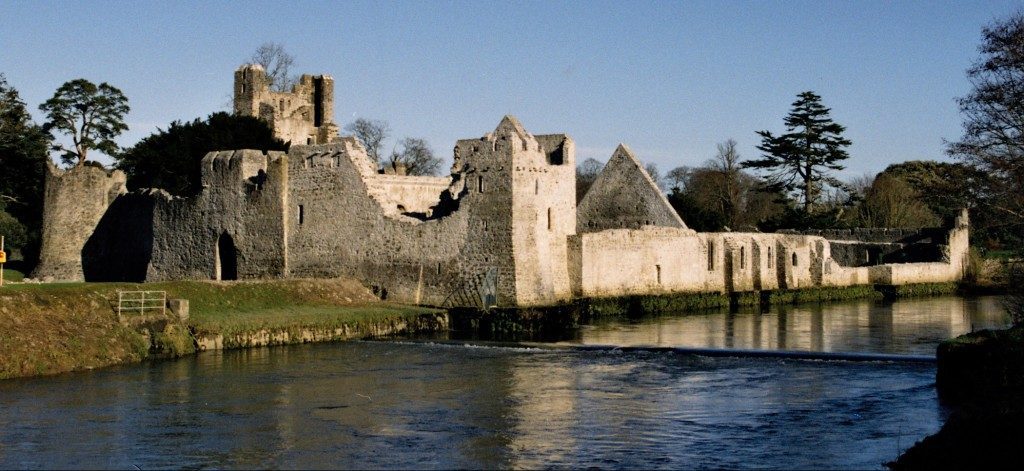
[1014,301]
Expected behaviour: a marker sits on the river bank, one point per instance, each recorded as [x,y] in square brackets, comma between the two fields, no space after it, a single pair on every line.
[979,375]
[59,327]
[52,328]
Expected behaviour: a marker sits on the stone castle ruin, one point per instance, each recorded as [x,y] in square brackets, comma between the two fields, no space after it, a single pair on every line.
[502,229]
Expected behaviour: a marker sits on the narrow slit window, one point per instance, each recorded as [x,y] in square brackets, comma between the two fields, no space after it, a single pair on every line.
[794,259]
[549,219]
[743,257]
[769,257]
[711,256]
[438,268]
[480,183]
[536,187]
[657,269]
[302,214]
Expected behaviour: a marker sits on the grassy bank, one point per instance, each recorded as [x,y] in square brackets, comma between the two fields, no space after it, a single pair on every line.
[13,276]
[981,376]
[56,327]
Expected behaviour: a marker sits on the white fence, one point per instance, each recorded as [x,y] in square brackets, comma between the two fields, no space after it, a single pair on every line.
[141,304]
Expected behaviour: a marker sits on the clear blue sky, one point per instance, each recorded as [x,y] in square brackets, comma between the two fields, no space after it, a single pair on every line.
[670,79]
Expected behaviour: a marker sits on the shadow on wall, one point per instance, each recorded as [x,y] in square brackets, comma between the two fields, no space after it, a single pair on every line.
[121,247]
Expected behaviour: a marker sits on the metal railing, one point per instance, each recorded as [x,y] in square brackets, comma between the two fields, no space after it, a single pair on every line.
[141,303]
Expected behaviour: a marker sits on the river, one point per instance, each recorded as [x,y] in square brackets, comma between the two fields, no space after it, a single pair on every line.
[422,404]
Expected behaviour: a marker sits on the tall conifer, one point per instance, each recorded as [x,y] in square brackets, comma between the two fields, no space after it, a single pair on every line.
[801,160]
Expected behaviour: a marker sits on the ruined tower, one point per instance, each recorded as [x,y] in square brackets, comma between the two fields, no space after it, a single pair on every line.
[305,115]
[530,210]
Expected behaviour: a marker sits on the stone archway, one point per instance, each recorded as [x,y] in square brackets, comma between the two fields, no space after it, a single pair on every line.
[226,260]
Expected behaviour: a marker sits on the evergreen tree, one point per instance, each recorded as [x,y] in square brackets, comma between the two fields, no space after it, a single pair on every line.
[93,115]
[171,159]
[23,154]
[801,160]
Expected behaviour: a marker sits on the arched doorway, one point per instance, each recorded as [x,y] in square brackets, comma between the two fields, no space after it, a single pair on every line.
[227,259]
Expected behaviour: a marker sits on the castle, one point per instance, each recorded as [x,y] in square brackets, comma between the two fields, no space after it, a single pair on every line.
[503,229]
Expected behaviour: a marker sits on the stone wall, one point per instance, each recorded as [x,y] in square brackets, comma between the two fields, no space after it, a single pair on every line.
[233,229]
[74,203]
[624,197]
[121,246]
[351,225]
[411,194]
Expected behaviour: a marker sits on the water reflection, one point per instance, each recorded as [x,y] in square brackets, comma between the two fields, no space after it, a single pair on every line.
[385,405]
[395,405]
[912,326]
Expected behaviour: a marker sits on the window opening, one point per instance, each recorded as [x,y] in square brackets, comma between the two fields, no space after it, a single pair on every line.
[302,214]
[711,256]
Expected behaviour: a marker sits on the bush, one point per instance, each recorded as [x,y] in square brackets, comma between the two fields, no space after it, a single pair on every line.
[1014,301]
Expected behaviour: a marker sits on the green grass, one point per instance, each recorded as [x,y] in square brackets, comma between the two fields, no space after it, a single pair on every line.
[229,308]
[13,276]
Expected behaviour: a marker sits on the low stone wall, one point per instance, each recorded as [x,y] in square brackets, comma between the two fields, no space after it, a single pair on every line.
[300,334]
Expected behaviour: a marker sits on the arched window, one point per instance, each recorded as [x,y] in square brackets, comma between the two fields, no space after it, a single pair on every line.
[794,259]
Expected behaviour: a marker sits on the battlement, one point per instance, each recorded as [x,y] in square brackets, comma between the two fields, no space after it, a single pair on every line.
[227,168]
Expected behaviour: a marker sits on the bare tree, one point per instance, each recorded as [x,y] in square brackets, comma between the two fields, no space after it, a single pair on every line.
[416,156]
[586,174]
[676,178]
[729,192]
[859,186]
[275,62]
[371,133]
[652,169]
[993,139]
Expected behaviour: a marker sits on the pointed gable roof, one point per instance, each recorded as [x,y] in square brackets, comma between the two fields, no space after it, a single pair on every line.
[624,197]
[510,125]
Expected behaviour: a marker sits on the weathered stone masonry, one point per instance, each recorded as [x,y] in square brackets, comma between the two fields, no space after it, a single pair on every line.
[502,229]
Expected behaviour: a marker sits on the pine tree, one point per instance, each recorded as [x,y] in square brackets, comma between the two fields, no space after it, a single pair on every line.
[801,160]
